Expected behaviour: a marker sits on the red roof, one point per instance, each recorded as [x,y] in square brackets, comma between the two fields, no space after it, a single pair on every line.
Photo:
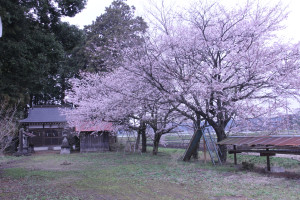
[91,126]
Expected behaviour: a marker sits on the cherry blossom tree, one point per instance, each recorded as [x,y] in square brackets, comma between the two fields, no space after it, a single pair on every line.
[209,64]
[219,63]
[124,98]
[143,102]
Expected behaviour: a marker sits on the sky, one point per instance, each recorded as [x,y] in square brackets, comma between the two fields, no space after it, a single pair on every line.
[95,8]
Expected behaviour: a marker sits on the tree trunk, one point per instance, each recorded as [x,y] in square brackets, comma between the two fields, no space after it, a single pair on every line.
[193,146]
[195,154]
[144,141]
[63,89]
[137,142]
[156,143]
[223,148]
[31,100]
[142,131]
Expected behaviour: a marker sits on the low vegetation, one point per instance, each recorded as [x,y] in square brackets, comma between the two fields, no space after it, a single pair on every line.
[119,175]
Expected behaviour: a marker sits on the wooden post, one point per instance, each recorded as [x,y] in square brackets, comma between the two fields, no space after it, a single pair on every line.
[235,159]
[204,149]
[268,162]
[21,140]
[43,135]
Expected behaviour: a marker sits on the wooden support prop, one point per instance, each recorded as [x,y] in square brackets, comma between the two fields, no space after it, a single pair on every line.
[204,149]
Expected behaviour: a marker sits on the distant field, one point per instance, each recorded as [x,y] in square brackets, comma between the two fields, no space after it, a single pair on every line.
[119,175]
[183,139]
[168,139]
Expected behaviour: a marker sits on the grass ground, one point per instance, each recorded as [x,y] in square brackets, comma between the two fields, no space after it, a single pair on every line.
[115,175]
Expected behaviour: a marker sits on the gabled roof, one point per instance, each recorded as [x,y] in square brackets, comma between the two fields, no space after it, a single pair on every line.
[45,114]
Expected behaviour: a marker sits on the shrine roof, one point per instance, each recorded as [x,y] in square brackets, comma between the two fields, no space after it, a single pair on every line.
[45,114]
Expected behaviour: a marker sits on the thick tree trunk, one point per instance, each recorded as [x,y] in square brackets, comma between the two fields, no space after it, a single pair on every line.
[144,141]
[223,148]
[195,154]
[157,137]
[193,146]
[137,142]
[142,131]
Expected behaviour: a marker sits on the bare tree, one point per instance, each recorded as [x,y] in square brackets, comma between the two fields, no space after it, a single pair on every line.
[8,125]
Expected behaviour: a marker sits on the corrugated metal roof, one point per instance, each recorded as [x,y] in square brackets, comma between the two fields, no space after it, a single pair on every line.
[93,126]
[45,114]
[279,141]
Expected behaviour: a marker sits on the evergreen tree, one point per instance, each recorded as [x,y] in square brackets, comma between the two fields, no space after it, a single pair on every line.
[34,48]
[112,31]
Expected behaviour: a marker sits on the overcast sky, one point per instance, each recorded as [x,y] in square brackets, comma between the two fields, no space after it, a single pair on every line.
[95,8]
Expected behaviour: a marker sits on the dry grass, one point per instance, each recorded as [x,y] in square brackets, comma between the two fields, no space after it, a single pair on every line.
[134,176]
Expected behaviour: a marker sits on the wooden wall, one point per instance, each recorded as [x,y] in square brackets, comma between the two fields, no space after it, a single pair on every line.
[47,137]
[94,142]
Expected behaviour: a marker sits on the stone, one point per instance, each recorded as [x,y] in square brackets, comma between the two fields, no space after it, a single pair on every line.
[65,147]
[65,151]
[277,169]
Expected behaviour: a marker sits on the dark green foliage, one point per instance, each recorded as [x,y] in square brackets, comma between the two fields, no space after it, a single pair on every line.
[112,31]
[35,48]
[71,39]
[39,53]
[71,7]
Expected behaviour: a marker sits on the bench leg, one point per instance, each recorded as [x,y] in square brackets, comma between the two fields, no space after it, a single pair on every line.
[235,159]
[268,162]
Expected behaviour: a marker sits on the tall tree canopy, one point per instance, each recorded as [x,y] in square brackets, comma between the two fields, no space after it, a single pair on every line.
[112,31]
[34,48]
